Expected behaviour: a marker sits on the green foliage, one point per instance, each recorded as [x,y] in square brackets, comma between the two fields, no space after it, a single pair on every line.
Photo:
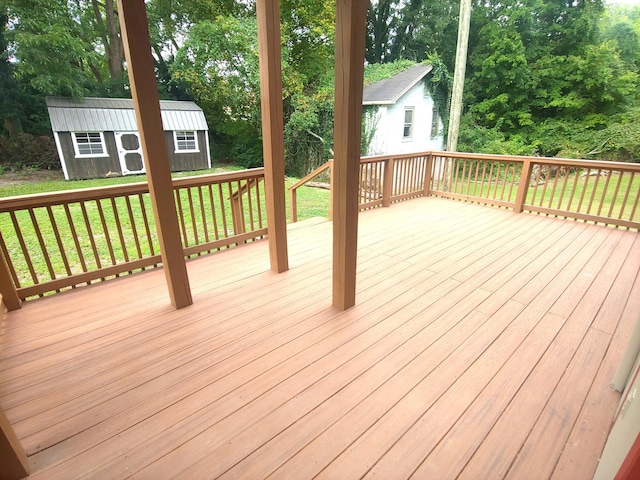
[543,76]
[380,71]
[23,150]
[439,83]
[218,67]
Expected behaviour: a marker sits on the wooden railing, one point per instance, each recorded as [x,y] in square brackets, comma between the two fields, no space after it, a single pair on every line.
[53,241]
[383,180]
[601,192]
[293,190]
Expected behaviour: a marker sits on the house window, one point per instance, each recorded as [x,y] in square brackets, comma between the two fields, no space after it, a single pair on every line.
[185,141]
[435,123]
[89,144]
[407,132]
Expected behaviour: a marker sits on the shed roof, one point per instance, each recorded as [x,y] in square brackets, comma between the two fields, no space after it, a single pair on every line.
[118,115]
[389,90]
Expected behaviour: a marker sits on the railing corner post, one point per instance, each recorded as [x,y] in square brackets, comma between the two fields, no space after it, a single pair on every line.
[387,186]
[523,186]
[8,291]
[428,174]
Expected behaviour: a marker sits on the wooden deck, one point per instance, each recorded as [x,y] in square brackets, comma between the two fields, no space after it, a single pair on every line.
[482,346]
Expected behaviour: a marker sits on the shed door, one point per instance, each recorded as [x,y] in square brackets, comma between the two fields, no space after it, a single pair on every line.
[129,153]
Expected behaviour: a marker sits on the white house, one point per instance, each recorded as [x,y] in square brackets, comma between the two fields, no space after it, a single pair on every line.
[403,116]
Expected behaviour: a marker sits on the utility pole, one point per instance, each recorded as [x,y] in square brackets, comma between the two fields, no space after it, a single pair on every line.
[458,76]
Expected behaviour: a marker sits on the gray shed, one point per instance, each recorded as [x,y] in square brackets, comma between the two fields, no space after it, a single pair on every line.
[98,137]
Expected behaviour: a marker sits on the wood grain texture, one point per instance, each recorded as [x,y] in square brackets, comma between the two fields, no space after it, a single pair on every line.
[137,46]
[481,345]
[13,460]
[349,61]
[268,13]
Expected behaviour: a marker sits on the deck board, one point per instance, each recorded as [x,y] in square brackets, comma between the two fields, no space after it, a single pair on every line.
[482,344]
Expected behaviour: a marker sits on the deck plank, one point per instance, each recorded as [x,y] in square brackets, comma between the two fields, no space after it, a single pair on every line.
[474,327]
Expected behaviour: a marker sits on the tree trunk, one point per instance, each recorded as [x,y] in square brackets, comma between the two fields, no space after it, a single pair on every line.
[115,49]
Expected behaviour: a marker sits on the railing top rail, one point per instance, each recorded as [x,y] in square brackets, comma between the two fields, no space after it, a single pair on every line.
[626,166]
[8,204]
[309,176]
[213,178]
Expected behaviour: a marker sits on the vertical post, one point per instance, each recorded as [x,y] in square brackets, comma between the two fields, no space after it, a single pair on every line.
[293,206]
[331,189]
[7,287]
[268,13]
[387,185]
[523,186]
[428,174]
[349,59]
[135,36]
[13,460]
[455,111]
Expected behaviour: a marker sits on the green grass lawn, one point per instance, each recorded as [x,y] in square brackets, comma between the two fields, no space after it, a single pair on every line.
[117,231]
[312,202]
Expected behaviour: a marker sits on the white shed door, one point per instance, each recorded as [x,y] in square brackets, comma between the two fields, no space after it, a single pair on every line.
[129,153]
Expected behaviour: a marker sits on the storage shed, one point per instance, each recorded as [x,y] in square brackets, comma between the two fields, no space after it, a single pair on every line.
[98,137]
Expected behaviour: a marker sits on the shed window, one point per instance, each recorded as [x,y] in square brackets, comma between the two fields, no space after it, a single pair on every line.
[185,141]
[89,144]
[407,132]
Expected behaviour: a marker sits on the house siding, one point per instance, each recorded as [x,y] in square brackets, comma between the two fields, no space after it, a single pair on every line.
[389,123]
[89,167]
[187,161]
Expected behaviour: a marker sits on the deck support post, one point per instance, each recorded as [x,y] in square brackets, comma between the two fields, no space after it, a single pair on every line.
[268,13]
[12,456]
[349,60]
[137,47]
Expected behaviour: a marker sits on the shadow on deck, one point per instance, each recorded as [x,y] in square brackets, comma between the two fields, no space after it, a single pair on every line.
[482,344]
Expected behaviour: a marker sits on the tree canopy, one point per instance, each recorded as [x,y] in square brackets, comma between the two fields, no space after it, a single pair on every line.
[548,77]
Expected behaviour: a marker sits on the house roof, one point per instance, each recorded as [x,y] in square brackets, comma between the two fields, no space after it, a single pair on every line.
[117,114]
[389,90]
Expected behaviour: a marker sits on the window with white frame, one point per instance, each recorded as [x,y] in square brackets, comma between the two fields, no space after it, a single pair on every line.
[407,133]
[435,123]
[185,141]
[89,144]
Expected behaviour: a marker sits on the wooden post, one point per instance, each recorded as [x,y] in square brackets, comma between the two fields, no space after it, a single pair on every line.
[458,76]
[331,189]
[13,460]
[523,186]
[349,53]
[268,13]
[428,173]
[7,287]
[387,185]
[137,46]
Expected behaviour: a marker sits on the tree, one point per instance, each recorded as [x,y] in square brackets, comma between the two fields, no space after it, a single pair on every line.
[382,22]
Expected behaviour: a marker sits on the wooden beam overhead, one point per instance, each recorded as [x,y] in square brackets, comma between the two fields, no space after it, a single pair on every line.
[268,12]
[349,58]
[137,45]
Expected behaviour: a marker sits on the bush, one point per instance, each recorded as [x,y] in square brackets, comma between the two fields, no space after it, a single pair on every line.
[24,150]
